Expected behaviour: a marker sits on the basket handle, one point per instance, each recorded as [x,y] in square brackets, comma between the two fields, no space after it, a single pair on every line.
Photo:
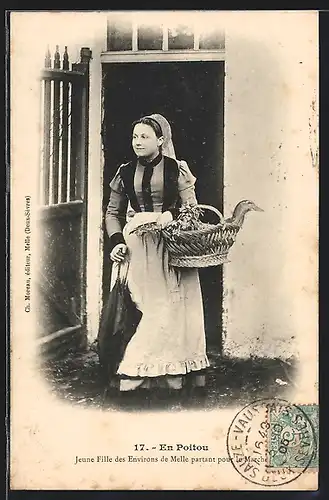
[213,209]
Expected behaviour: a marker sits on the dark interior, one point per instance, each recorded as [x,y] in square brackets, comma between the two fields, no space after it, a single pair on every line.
[191,96]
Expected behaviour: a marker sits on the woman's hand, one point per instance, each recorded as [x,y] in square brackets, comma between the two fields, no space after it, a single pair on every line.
[165,219]
[118,253]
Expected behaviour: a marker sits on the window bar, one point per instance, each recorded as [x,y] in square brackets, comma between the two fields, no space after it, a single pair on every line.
[81,144]
[46,141]
[165,38]
[74,138]
[60,149]
[68,182]
[56,129]
[41,162]
[134,41]
[65,130]
[196,42]
[51,150]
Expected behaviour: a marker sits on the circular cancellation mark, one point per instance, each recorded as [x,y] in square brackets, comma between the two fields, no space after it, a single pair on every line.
[271,442]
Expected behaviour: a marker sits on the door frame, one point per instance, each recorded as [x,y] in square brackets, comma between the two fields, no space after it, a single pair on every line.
[109,57]
[162,56]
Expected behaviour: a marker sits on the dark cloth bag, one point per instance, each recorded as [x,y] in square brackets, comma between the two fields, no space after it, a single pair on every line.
[119,320]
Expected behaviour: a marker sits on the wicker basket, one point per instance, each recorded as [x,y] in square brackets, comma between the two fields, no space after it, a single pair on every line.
[204,247]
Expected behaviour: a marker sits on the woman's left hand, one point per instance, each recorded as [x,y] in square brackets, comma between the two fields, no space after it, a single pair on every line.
[165,219]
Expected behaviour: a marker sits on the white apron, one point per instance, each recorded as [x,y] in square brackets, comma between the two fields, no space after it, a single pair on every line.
[170,338]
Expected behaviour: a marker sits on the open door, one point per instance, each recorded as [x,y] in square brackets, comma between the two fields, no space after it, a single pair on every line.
[191,96]
[63,201]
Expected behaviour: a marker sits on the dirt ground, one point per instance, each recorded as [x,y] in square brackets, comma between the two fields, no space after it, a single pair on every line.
[77,377]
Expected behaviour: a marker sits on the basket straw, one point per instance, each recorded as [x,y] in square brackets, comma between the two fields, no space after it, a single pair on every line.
[204,247]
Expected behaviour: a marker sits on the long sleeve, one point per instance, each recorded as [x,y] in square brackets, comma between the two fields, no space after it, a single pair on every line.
[115,216]
[186,183]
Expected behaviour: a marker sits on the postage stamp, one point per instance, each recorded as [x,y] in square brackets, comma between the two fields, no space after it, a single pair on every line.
[272,442]
[291,430]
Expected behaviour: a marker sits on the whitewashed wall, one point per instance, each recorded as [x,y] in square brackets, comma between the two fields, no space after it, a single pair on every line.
[270,287]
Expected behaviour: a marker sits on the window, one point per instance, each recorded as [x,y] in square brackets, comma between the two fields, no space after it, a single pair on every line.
[180,37]
[119,34]
[150,37]
[212,40]
[125,35]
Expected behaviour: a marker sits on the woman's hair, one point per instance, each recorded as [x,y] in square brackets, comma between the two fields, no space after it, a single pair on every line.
[147,120]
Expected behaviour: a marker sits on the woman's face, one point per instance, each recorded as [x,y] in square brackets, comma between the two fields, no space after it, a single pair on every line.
[145,142]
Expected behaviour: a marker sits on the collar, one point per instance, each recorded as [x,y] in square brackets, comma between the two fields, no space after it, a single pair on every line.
[152,163]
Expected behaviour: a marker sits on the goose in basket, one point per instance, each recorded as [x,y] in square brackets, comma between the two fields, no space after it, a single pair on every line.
[192,243]
[204,245]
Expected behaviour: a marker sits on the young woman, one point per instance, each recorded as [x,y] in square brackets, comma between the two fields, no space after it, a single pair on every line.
[169,342]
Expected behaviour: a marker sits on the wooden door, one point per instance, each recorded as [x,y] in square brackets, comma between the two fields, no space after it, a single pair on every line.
[63,200]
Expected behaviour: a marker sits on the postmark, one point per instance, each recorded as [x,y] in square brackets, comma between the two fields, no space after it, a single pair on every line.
[272,442]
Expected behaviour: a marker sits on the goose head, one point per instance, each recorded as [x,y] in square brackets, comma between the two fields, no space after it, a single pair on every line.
[240,211]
